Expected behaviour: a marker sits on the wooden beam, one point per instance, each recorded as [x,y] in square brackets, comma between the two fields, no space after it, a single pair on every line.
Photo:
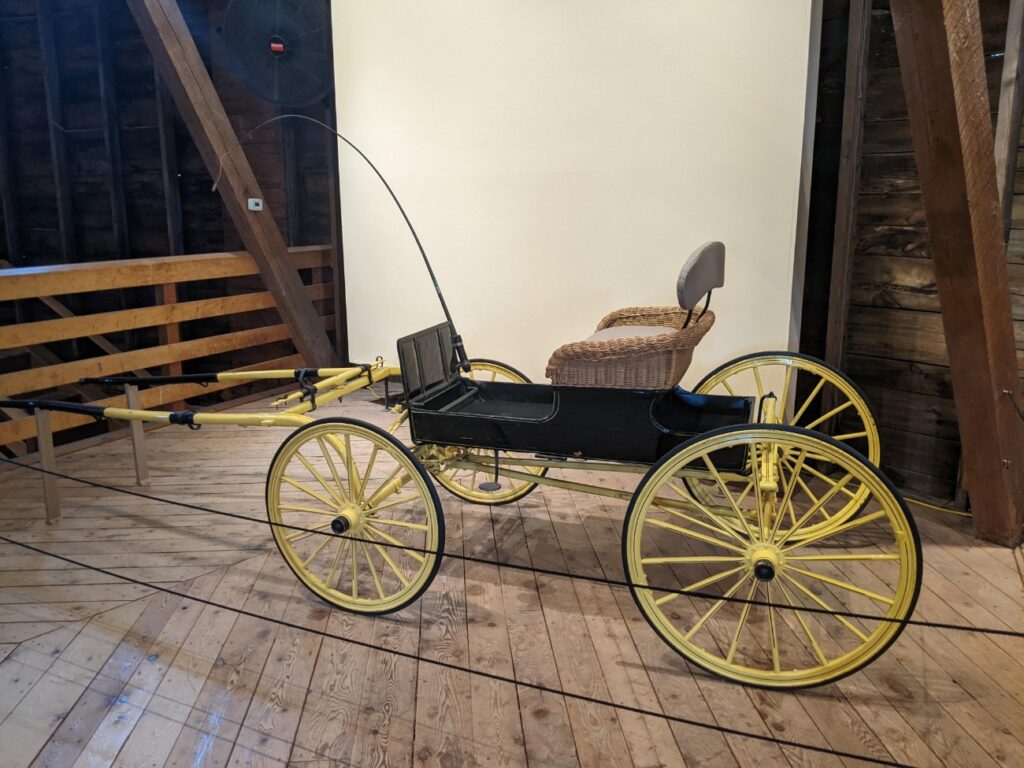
[175,54]
[943,70]
[8,200]
[118,321]
[858,39]
[55,120]
[1011,99]
[31,282]
[169,166]
[111,127]
[53,376]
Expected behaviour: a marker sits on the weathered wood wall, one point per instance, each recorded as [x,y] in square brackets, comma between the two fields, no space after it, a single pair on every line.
[95,164]
[895,346]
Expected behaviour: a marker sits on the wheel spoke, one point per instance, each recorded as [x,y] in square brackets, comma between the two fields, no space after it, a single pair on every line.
[690,559]
[855,523]
[787,498]
[807,402]
[393,503]
[392,540]
[310,510]
[402,523]
[843,585]
[327,540]
[732,502]
[682,516]
[744,612]
[715,608]
[772,632]
[851,436]
[695,535]
[369,469]
[807,630]
[719,527]
[879,556]
[355,571]
[391,564]
[814,508]
[343,546]
[784,400]
[728,388]
[309,491]
[291,537]
[757,381]
[353,473]
[826,416]
[762,524]
[713,579]
[319,478]
[826,479]
[374,574]
[822,604]
[383,490]
[334,468]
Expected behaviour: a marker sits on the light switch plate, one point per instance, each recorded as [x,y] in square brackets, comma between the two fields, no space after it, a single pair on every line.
[255,204]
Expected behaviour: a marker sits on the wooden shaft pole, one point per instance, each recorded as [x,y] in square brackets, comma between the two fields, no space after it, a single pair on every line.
[48,461]
[138,435]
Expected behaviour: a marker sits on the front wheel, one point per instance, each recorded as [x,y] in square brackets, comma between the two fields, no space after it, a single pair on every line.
[356,517]
[733,581]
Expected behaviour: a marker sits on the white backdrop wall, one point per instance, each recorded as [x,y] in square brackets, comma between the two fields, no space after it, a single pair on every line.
[561,158]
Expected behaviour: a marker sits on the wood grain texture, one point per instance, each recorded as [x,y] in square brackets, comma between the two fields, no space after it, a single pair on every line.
[944,77]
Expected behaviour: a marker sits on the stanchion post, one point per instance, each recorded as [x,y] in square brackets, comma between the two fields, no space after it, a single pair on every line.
[51,491]
[131,396]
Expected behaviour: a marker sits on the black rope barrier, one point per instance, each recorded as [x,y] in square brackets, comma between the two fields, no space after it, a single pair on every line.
[698,594]
[459,668]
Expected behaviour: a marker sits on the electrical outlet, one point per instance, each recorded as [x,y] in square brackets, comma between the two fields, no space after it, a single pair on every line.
[255,204]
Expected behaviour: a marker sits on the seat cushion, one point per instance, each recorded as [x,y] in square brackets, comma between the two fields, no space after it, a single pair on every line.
[629,332]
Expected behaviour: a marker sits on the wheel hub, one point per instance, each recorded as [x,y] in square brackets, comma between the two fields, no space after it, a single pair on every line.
[765,561]
[347,520]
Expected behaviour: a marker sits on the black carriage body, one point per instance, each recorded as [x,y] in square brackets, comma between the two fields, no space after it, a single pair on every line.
[632,425]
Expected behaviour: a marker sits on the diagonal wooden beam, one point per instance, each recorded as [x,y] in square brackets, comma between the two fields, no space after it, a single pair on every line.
[1011,100]
[943,70]
[55,119]
[180,65]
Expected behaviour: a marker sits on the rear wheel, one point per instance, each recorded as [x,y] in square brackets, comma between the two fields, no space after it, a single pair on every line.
[811,394]
[745,544]
[465,483]
[358,520]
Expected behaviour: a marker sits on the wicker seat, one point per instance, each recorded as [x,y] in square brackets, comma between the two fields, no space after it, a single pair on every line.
[645,347]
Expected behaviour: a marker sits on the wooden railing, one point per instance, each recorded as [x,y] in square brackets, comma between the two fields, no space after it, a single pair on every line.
[164,274]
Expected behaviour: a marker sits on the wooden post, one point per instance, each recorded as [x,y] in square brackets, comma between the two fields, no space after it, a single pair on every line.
[47,460]
[857,42]
[174,51]
[55,119]
[138,434]
[943,70]
[1007,140]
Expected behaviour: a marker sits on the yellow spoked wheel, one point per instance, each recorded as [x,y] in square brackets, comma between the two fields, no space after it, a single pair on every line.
[353,480]
[810,394]
[465,483]
[674,543]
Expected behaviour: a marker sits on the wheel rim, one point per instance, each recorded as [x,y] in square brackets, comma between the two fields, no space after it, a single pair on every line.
[465,483]
[360,484]
[849,419]
[869,565]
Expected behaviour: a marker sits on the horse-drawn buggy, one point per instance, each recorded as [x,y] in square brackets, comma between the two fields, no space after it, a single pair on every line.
[761,541]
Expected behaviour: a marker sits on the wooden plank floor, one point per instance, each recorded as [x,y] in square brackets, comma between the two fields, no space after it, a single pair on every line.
[96,672]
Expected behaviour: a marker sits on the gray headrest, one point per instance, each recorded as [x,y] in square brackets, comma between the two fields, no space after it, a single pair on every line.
[703,272]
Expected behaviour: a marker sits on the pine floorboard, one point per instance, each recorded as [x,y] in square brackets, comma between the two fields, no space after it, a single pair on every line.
[98,672]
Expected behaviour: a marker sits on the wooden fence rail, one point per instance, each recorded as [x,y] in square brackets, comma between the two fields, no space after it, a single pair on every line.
[165,274]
